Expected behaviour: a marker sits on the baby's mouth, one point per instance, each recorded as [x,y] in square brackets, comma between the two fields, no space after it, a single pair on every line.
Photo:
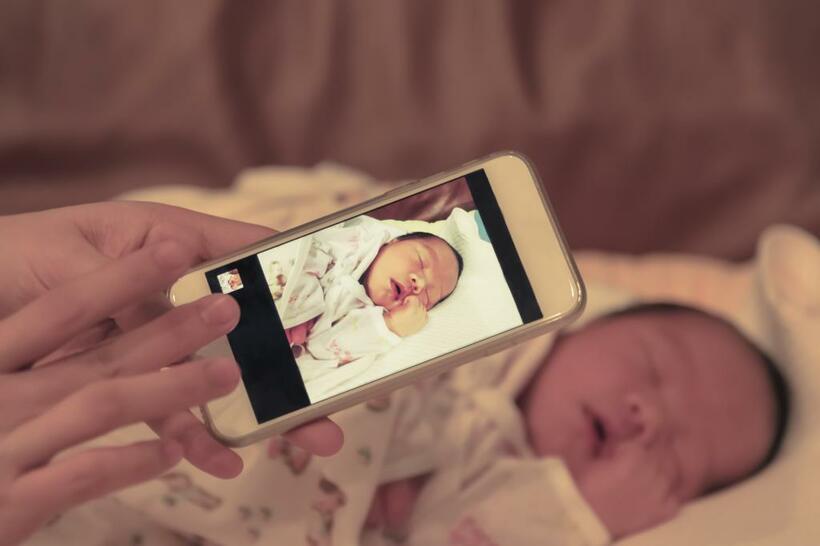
[396,289]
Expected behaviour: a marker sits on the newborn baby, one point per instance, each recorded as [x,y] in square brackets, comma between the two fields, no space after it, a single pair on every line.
[648,408]
[606,432]
[361,290]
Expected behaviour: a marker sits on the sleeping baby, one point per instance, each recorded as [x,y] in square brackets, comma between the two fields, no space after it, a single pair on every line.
[645,410]
[362,289]
[575,440]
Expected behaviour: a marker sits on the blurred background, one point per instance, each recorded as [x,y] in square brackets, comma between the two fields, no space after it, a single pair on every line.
[655,125]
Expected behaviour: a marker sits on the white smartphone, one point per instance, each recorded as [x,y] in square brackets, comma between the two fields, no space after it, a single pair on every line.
[428,276]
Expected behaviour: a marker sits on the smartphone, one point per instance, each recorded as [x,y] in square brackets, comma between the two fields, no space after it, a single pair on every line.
[428,276]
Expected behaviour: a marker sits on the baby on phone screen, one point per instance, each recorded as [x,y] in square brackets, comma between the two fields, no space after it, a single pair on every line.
[362,289]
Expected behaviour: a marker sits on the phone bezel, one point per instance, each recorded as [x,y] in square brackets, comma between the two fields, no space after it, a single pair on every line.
[517,187]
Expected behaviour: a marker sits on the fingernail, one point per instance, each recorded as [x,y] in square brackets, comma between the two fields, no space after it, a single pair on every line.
[228,465]
[219,311]
[170,255]
[222,373]
[172,451]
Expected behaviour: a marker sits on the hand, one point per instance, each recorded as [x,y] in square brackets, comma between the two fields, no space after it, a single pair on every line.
[51,407]
[407,318]
[631,491]
[45,250]
[298,334]
[392,507]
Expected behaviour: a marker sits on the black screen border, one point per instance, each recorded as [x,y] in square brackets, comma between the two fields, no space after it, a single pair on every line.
[517,280]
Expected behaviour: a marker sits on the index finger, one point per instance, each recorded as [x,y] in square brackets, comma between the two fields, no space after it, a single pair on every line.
[53,319]
[322,437]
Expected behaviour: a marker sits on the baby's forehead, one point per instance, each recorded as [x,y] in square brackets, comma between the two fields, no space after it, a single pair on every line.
[434,244]
[700,336]
[665,321]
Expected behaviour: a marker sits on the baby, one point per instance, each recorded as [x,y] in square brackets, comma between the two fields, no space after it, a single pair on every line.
[606,432]
[648,408]
[362,289]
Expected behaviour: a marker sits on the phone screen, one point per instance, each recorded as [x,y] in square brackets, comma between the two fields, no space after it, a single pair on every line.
[374,295]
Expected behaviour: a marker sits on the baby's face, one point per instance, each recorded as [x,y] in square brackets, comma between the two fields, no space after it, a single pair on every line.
[677,390]
[426,267]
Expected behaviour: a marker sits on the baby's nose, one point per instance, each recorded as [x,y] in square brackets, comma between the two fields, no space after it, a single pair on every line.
[645,419]
[417,283]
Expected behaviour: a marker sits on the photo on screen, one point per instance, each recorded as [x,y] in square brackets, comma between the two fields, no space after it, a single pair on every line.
[378,294]
[230,281]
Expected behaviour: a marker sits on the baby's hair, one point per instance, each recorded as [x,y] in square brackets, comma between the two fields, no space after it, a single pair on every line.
[779,386]
[427,235]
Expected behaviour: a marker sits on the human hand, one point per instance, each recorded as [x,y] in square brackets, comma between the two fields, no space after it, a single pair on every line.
[408,318]
[297,335]
[56,406]
[392,507]
[630,490]
[44,250]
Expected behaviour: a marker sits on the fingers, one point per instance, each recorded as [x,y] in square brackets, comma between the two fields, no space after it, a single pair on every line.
[50,321]
[143,312]
[214,236]
[322,437]
[106,405]
[165,341]
[375,514]
[200,448]
[412,301]
[399,500]
[39,495]
[392,507]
